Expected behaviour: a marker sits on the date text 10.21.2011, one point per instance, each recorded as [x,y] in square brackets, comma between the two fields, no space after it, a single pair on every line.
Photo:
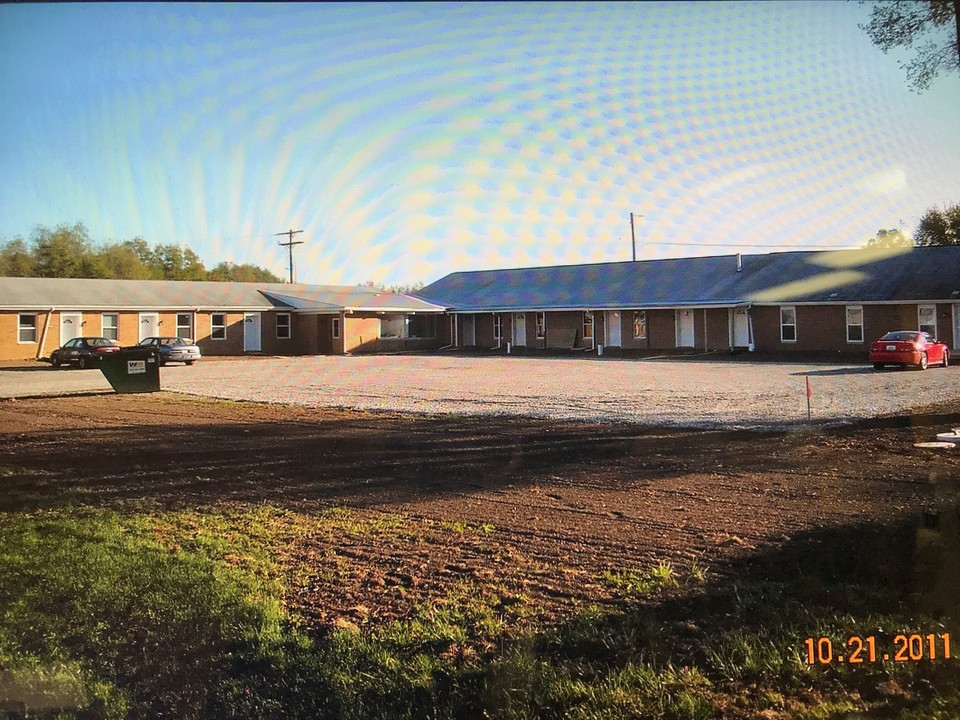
[869,648]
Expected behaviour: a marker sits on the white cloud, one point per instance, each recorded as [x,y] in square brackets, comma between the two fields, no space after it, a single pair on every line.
[736,177]
[888,182]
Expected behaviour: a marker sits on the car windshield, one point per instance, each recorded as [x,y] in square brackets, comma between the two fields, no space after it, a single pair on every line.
[902,336]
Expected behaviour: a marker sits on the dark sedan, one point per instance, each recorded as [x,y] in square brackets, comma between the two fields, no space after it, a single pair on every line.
[173,349]
[83,352]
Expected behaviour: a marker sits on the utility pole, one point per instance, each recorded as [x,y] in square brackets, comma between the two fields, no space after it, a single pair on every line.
[289,245]
[633,235]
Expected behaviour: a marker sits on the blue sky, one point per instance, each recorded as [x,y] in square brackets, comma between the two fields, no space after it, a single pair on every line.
[409,141]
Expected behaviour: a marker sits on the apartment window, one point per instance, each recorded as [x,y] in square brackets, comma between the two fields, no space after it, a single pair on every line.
[336,328]
[788,324]
[928,319]
[27,328]
[588,326]
[639,325]
[283,326]
[218,326]
[108,326]
[497,327]
[854,324]
[184,325]
[541,325]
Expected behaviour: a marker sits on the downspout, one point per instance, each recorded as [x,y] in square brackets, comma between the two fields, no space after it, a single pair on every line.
[447,347]
[43,335]
[706,335]
[731,319]
[751,346]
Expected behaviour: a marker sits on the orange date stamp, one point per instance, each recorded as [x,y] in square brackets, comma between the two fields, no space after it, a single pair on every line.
[905,647]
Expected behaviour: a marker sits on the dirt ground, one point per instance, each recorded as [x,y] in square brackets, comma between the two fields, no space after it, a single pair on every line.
[541,507]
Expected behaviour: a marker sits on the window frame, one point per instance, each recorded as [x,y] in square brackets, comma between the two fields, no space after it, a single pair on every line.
[115,327]
[188,326]
[497,327]
[793,309]
[541,325]
[288,325]
[588,322]
[641,315]
[933,332]
[847,311]
[335,328]
[214,326]
[21,327]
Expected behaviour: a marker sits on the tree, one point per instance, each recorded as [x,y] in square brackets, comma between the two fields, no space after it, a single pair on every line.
[889,239]
[405,289]
[228,272]
[931,26]
[939,227]
[67,252]
[119,260]
[64,252]
[179,263]
[145,254]
[16,260]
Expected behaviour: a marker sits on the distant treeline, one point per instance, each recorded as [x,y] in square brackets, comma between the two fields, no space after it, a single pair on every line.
[67,252]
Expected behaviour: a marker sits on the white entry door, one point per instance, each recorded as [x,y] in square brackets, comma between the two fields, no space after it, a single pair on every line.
[251,332]
[741,327]
[956,326]
[684,328]
[149,325]
[520,329]
[71,326]
[469,331]
[612,328]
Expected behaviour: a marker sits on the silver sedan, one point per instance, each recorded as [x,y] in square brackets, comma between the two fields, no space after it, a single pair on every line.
[173,349]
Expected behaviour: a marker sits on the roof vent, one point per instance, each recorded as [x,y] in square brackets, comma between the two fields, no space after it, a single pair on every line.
[739,262]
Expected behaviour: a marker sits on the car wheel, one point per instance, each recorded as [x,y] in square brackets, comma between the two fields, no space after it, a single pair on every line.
[923,362]
[189,362]
[55,361]
[878,366]
[83,363]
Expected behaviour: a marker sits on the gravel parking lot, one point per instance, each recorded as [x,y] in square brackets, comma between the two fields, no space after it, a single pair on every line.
[667,392]
[685,392]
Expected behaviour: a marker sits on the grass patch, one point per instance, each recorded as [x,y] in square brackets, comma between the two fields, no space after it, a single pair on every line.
[147,615]
[180,614]
[661,576]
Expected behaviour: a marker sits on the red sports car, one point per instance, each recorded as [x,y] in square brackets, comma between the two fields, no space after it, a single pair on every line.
[908,347]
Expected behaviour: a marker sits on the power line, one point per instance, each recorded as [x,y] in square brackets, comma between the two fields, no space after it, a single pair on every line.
[289,245]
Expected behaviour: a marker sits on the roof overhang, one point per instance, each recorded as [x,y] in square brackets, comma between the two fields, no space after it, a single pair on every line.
[593,308]
[106,308]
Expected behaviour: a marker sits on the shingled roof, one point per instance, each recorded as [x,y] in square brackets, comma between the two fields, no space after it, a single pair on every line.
[845,276]
[85,293]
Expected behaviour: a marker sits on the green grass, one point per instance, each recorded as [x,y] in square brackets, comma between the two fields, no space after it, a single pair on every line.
[180,614]
[661,576]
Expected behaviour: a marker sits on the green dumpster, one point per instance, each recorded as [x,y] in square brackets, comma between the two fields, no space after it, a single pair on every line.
[133,370]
